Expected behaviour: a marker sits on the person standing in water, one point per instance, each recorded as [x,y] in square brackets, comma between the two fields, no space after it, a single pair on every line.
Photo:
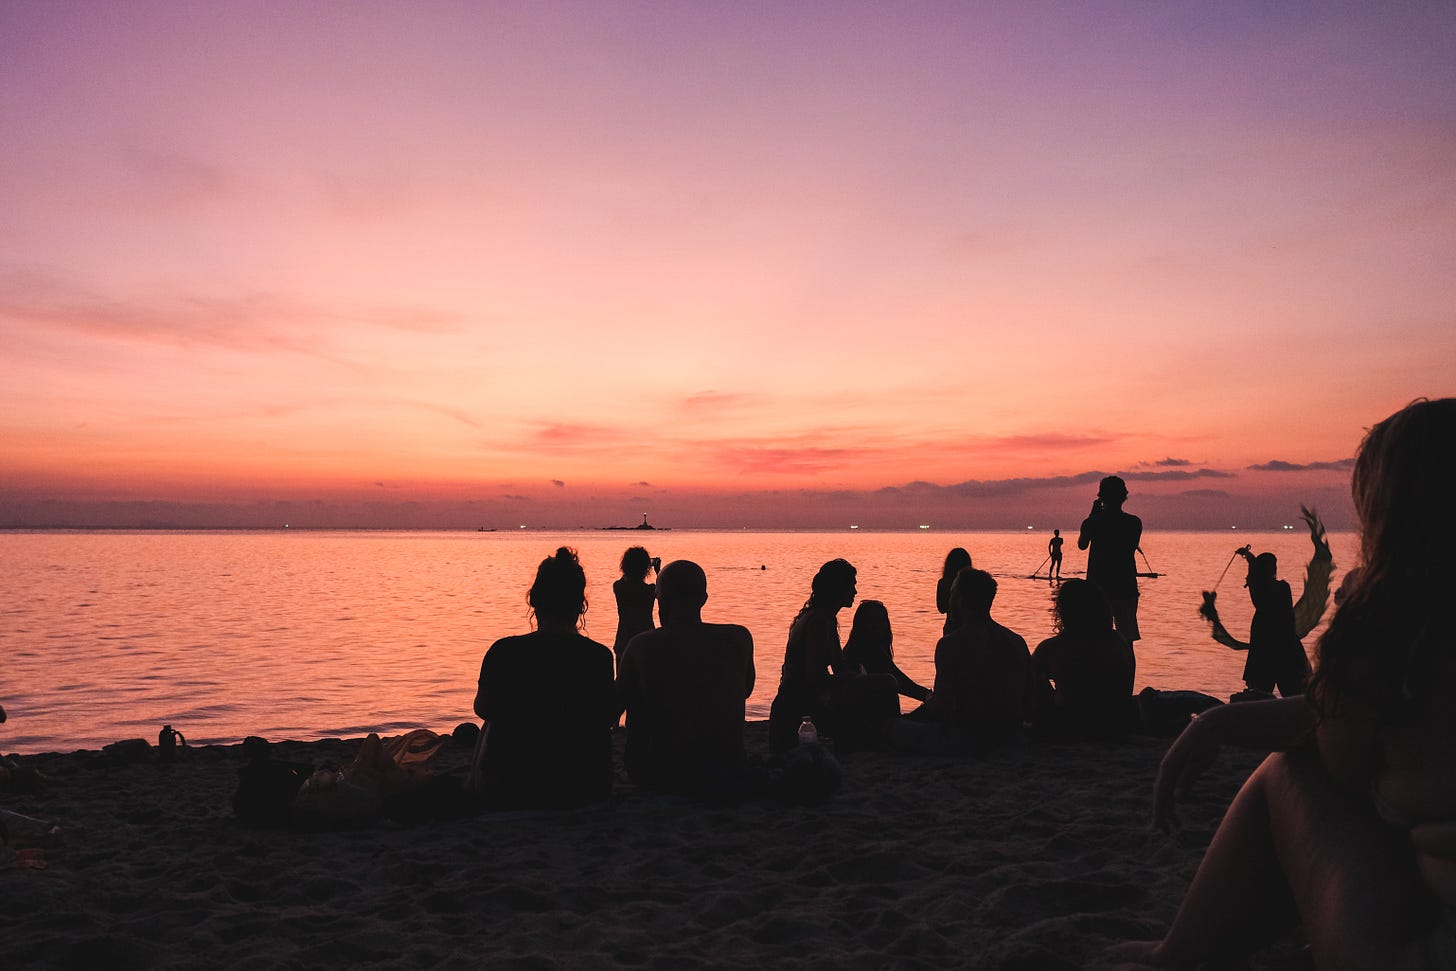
[1113,536]
[635,597]
[1054,553]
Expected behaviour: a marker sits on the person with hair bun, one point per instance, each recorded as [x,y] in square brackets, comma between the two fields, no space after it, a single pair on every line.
[1349,828]
[548,701]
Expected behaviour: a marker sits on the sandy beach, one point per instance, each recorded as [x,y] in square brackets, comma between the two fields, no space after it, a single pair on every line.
[1036,858]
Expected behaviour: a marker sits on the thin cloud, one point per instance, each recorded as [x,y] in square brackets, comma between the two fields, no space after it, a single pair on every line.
[1278,465]
[259,322]
[169,179]
[781,460]
[1178,475]
[715,402]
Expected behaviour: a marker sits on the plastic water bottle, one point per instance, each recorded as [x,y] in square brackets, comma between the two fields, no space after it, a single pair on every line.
[808,734]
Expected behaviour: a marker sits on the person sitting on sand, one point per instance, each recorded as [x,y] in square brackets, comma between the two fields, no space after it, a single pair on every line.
[982,673]
[870,649]
[955,561]
[683,686]
[1276,654]
[811,657]
[1350,826]
[634,597]
[548,701]
[1082,675]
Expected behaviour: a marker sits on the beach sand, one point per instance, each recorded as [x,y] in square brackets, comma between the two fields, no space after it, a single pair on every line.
[1036,858]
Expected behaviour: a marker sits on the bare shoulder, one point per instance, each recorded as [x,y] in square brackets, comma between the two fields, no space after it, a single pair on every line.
[731,633]
[1009,636]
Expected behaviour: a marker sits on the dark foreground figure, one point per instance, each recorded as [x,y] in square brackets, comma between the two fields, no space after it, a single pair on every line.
[1350,826]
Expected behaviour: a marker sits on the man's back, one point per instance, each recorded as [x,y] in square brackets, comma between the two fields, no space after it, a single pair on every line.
[1114,536]
[684,687]
[981,675]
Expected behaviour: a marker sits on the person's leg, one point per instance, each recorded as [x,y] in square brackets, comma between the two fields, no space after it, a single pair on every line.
[1238,900]
[1291,838]
[1360,895]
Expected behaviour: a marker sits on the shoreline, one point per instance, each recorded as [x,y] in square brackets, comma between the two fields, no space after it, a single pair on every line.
[1039,856]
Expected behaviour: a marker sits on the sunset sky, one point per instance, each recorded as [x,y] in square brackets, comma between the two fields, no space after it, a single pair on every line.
[724,264]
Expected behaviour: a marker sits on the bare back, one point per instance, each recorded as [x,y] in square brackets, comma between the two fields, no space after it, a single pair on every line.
[684,688]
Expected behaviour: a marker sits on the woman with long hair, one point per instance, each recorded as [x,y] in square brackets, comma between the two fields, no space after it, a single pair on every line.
[548,701]
[869,649]
[1350,827]
[956,560]
[812,655]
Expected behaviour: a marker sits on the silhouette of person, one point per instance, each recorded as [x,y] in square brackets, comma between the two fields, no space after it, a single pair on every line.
[548,701]
[1054,552]
[811,656]
[955,561]
[1083,673]
[870,648]
[634,596]
[1276,655]
[1349,827]
[683,686]
[1113,536]
[982,676]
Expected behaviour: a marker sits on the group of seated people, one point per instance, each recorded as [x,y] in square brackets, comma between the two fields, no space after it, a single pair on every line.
[1347,827]
[549,699]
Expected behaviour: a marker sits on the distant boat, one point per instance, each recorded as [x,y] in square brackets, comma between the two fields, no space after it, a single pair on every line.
[482,529]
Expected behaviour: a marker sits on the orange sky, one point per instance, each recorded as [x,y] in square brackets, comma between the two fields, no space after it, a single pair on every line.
[448,264]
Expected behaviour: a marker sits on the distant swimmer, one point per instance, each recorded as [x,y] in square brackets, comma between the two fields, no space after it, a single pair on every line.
[1054,551]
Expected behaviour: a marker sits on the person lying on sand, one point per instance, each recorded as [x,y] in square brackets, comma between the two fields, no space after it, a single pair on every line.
[1350,826]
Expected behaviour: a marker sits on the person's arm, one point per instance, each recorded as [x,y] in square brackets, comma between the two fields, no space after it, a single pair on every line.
[607,686]
[1266,726]
[1041,697]
[626,684]
[905,686]
[749,674]
[482,697]
[1084,536]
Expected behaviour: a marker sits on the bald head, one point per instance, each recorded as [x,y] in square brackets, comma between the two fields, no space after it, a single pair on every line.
[682,589]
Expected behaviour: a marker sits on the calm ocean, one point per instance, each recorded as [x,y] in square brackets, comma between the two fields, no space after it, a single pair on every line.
[306,635]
